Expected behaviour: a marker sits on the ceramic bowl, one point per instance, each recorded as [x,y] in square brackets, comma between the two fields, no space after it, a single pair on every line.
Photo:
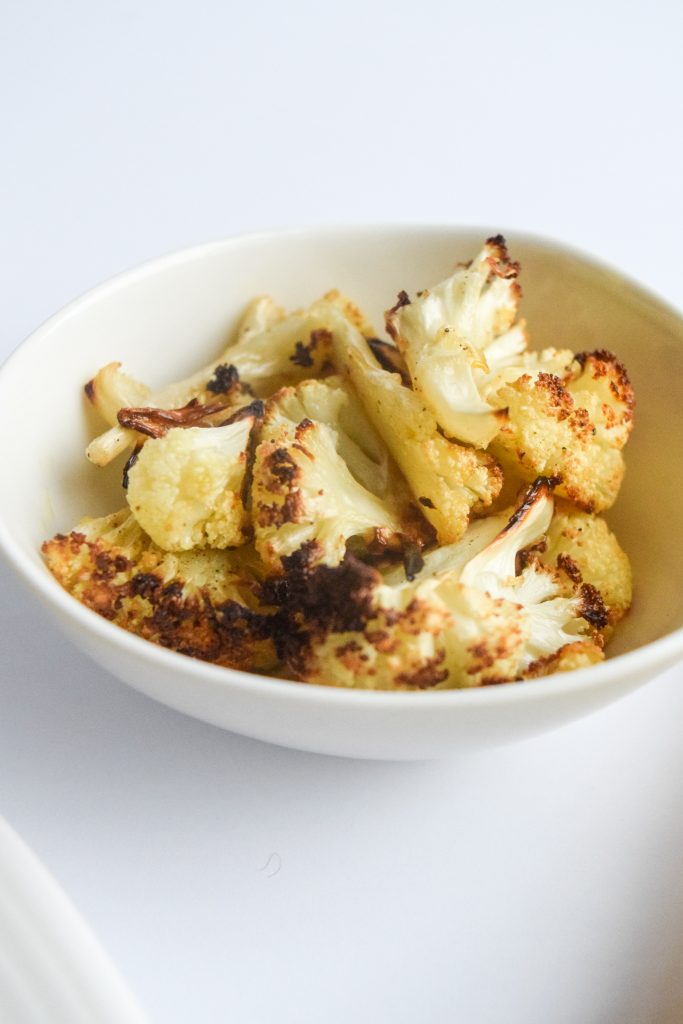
[166,318]
[52,968]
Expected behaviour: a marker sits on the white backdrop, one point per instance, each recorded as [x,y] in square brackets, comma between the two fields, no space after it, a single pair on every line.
[232,881]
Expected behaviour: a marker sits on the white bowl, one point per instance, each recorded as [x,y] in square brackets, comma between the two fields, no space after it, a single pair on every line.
[168,317]
[52,968]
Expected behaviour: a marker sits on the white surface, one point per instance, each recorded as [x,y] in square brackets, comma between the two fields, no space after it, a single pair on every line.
[52,968]
[542,882]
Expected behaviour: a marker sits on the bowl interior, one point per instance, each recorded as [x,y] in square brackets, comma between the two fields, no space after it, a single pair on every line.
[169,317]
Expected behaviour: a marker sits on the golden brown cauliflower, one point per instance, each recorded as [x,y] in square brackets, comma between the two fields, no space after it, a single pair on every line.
[368,529]
[201,603]
[571,428]
[477,621]
[320,476]
[547,413]
[458,336]
[269,350]
[448,480]
[185,488]
[348,628]
[586,550]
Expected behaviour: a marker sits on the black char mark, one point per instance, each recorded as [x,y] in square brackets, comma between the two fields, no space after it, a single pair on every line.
[225,377]
[542,485]
[413,561]
[318,599]
[390,359]
[130,462]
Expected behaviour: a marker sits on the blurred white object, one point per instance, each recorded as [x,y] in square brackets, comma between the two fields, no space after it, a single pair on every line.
[52,969]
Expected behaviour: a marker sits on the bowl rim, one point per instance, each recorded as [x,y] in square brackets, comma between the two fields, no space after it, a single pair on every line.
[656,655]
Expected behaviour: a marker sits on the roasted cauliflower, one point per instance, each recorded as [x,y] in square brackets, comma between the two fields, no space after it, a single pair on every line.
[584,548]
[185,488]
[469,624]
[201,603]
[269,350]
[320,477]
[572,428]
[448,480]
[457,335]
[410,513]
[548,413]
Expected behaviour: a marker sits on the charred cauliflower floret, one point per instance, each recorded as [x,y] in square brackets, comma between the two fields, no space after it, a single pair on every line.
[326,505]
[185,488]
[555,620]
[269,350]
[547,413]
[201,603]
[312,479]
[456,338]
[346,627]
[291,350]
[448,480]
[572,428]
[584,548]
[468,625]
[135,413]
[334,402]
[581,550]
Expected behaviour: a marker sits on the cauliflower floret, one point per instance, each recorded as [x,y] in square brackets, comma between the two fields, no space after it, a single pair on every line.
[554,620]
[333,402]
[344,626]
[458,336]
[291,350]
[351,311]
[476,622]
[584,548]
[136,413]
[185,488]
[448,480]
[200,603]
[451,558]
[268,351]
[112,389]
[304,491]
[548,413]
[580,548]
[572,429]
